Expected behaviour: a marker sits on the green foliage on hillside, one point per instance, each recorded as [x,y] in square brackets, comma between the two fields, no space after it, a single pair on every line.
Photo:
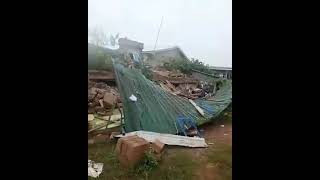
[185,66]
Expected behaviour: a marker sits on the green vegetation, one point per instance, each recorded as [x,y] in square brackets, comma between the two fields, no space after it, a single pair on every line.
[177,163]
[99,58]
[185,66]
[177,166]
[221,158]
[148,164]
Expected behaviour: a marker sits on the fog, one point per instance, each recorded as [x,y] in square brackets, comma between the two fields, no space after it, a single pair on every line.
[202,29]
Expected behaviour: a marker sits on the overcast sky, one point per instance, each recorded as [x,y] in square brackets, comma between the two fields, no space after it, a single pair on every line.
[202,29]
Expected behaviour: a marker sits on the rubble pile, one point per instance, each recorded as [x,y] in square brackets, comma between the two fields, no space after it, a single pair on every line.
[180,84]
[101,98]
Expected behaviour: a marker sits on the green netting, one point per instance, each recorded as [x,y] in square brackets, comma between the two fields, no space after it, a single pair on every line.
[157,110]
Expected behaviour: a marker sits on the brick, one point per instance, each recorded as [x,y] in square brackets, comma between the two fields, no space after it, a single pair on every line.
[130,150]
[157,146]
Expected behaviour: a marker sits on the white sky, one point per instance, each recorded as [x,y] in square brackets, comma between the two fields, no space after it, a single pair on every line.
[202,29]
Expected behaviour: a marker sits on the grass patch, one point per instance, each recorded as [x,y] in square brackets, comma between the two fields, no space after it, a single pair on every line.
[148,164]
[221,157]
[179,166]
[176,166]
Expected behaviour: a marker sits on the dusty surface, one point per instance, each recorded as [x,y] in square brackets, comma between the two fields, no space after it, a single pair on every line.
[216,136]
[219,134]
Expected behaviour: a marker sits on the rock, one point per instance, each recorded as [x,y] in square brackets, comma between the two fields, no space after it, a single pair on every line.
[109,99]
[100,96]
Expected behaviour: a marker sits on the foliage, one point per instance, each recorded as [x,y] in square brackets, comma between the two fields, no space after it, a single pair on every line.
[146,72]
[99,38]
[148,164]
[222,159]
[186,66]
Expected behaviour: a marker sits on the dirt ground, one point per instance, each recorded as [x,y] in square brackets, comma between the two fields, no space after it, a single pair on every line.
[212,163]
[219,135]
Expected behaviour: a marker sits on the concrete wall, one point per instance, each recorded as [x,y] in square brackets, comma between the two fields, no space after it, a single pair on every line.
[159,58]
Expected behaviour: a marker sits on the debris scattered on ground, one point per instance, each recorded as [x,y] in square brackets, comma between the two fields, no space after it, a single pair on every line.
[94,169]
[130,150]
[101,98]
[103,122]
[168,139]
[182,85]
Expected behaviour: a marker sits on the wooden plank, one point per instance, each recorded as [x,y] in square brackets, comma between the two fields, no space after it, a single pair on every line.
[197,107]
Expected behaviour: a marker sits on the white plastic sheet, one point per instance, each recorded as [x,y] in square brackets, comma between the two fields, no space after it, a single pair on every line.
[94,169]
[133,98]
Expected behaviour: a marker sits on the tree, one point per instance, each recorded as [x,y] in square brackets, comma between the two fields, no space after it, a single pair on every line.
[99,39]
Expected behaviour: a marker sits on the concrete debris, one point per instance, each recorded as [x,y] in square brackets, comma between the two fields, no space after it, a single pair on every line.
[94,169]
[109,98]
[168,139]
[101,98]
[182,85]
[166,76]
[130,150]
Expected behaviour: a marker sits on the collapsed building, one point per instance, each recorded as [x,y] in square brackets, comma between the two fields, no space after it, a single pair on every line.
[156,105]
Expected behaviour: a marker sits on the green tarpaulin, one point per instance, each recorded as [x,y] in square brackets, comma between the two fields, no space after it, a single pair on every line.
[156,110]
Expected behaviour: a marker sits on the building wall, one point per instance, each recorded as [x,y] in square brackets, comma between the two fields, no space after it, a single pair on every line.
[161,57]
[223,73]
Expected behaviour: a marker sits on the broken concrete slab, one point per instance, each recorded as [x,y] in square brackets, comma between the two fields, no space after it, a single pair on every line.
[109,98]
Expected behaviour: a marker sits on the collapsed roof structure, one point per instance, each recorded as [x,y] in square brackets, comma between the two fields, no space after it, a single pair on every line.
[157,110]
